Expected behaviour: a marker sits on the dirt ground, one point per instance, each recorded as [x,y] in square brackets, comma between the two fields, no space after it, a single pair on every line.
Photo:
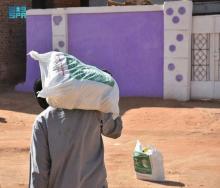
[187,134]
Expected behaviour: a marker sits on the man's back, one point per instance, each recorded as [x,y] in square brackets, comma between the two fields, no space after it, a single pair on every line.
[67,148]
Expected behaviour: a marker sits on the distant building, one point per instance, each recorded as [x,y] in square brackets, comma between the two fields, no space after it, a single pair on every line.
[13,34]
[201,7]
[12,40]
[12,29]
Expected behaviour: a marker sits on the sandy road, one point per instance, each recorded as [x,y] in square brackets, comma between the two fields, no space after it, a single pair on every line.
[187,134]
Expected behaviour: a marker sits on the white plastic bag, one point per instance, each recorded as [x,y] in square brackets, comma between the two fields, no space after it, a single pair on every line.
[70,84]
[148,163]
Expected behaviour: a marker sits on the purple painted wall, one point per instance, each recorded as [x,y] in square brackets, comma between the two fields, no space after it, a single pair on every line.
[39,38]
[129,45]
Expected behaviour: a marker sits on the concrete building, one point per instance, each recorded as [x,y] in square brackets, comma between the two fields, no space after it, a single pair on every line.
[13,32]
[12,40]
[13,35]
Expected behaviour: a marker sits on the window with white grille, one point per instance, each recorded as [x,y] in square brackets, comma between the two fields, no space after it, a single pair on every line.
[200,57]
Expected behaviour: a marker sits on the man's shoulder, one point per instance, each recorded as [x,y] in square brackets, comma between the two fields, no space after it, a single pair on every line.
[51,112]
[46,113]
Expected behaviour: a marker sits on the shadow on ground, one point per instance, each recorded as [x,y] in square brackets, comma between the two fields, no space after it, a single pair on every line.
[3,120]
[170,183]
[18,101]
[127,103]
[26,102]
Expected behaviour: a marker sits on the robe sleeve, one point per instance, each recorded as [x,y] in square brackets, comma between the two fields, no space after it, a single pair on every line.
[109,127]
[39,156]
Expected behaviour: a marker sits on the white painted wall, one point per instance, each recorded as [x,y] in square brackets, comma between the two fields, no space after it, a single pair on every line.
[177,49]
[59,32]
[82,10]
[209,89]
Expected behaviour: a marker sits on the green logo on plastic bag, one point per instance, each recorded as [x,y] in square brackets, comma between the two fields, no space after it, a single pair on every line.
[142,163]
[81,71]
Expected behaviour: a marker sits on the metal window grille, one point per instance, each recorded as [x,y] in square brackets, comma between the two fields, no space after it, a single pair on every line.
[200,57]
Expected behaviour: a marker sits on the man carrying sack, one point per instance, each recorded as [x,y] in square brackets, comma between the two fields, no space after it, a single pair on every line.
[67,148]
